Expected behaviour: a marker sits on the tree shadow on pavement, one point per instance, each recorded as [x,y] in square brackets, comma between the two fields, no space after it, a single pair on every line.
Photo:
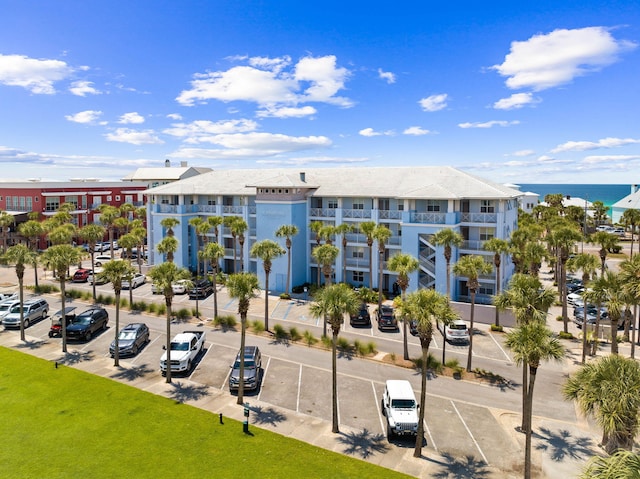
[132,373]
[31,344]
[363,443]
[462,468]
[268,416]
[187,392]
[75,357]
[562,444]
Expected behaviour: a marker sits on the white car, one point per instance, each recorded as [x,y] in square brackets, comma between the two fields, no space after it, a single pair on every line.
[138,280]
[5,307]
[95,277]
[181,286]
[5,296]
[457,332]
[575,296]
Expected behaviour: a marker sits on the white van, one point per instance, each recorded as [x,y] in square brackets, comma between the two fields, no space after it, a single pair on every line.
[400,407]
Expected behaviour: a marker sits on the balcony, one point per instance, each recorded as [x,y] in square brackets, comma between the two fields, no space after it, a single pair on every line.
[206,208]
[359,214]
[479,217]
[428,218]
[232,209]
[322,212]
[474,245]
[389,214]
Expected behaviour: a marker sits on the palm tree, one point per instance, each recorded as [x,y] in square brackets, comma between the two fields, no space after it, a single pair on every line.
[325,256]
[606,241]
[531,344]
[6,220]
[214,223]
[342,230]
[616,301]
[529,302]
[447,238]
[198,223]
[108,215]
[608,389]
[243,287]
[381,234]
[471,266]
[316,228]
[237,226]
[621,464]
[163,276]
[597,294]
[585,262]
[534,253]
[599,212]
[367,228]
[332,303]
[404,264]
[630,278]
[129,241]
[20,256]
[59,258]
[288,232]
[32,230]
[631,218]
[169,247]
[267,250]
[498,247]
[426,306]
[114,271]
[214,252]
[92,233]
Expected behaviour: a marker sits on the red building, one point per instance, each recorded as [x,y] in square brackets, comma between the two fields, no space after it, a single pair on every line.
[45,198]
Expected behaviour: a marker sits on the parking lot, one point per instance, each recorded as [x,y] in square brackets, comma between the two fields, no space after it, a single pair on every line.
[463,419]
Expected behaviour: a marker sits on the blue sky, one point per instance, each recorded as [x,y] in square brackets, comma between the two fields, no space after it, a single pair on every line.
[548,93]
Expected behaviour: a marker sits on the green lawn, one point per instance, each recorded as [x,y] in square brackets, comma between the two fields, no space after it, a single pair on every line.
[65,423]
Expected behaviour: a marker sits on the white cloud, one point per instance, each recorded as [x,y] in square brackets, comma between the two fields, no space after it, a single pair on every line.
[416,131]
[131,117]
[251,145]
[203,130]
[610,159]
[135,137]
[372,132]
[83,88]
[174,116]
[286,112]
[524,153]
[272,83]
[37,76]
[549,160]
[591,145]
[434,102]
[312,160]
[517,100]
[548,60]
[386,76]
[86,117]
[488,124]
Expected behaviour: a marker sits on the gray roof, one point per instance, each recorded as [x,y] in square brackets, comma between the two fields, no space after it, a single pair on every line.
[629,202]
[165,173]
[428,182]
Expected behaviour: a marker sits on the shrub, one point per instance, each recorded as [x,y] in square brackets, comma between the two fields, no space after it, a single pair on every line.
[124,302]
[432,363]
[226,321]
[363,349]
[496,328]
[559,318]
[563,335]
[258,326]
[152,308]
[367,295]
[393,357]
[110,300]
[452,363]
[279,332]
[162,309]
[300,288]
[327,342]
[294,334]
[45,289]
[285,296]
[371,348]
[309,338]
[183,313]
[343,344]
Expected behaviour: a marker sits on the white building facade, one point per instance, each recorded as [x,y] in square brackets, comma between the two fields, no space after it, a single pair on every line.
[413,202]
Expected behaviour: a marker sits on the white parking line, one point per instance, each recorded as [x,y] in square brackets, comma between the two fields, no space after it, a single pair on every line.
[264,374]
[500,348]
[433,442]
[470,434]
[380,415]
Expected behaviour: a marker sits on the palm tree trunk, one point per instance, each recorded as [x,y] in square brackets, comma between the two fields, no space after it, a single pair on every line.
[417,452]
[243,333]
[497,265]
[529,431]
[287,290]
[63,302]
[168,363]
[334,384]
[266,301]
[471,317]
[525,389]
[563,295]
[21,292]
[215,291]
[116,351]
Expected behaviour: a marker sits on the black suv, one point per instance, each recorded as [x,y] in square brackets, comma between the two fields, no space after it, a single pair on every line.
[386,318]
[201,289]
[252,365]
[87,323]
[362,317]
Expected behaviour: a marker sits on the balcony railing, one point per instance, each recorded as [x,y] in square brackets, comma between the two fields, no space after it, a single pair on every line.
[167,208]
[233,210]
[389,214]
[322,212]
[479,218]
[472,245]
[356,213]
[428,218]
[207,208]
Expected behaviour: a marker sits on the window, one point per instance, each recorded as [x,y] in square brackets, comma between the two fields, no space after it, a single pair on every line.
[332,203]
[433,205]
[52,203]
[486,234]
[128,199]
[358,204]
[357,276]
[29,203]
[486,206]
[358,253]
[117,197]
[97,200]
[72,200]
[109,198]
[383,204]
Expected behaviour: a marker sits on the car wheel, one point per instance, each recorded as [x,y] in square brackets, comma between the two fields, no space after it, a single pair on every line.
[382,407]
[104,326]
[189,366]
[135,350]
[389,432]
[87,336]
[26,323]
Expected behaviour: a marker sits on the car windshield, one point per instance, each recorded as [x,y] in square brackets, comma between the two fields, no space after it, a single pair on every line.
[16,309]
[82,320]
[403,403]
[4,307]
[179,346]
[248,364]
[127,335]
[458,326]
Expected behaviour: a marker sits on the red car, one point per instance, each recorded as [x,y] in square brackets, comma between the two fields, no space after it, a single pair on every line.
[81,275]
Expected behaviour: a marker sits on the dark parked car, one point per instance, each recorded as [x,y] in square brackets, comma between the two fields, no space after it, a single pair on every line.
[87,323]
[252,365]
[201,289]
[131,339]
[386,318]
[362,317]
[413,327]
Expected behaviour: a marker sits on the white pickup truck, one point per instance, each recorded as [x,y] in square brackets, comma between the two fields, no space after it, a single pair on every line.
[185,347]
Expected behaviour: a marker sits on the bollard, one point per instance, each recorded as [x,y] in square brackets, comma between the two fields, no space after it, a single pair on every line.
[245,424]
[221,419]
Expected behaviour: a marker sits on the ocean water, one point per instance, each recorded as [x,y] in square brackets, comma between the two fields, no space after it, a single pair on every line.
[608,194]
